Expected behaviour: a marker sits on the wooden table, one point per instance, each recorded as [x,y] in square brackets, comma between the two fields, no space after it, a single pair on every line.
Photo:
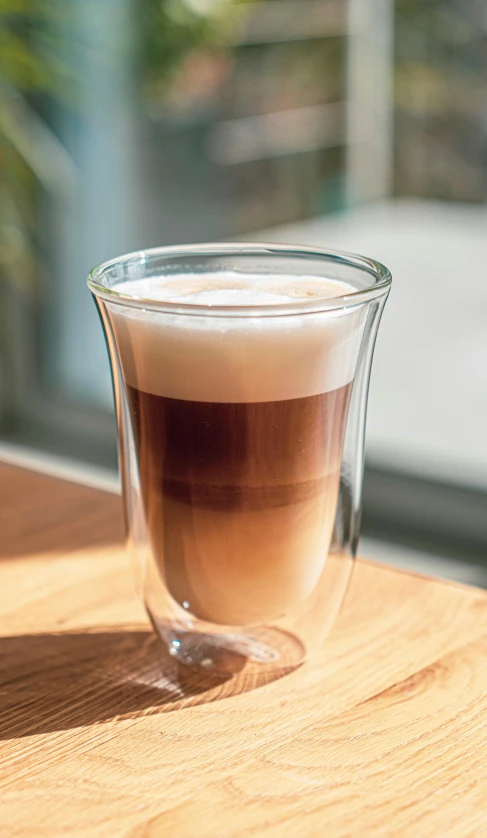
[385,734]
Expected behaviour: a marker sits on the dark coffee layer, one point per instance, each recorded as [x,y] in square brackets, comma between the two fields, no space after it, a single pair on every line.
[199,449]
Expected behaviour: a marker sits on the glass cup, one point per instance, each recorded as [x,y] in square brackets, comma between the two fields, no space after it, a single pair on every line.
[241,443]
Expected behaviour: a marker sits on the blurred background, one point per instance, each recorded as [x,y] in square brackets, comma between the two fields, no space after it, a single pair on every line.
[359,124]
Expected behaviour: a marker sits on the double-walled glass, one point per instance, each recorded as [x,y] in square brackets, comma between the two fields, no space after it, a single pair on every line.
[241,442]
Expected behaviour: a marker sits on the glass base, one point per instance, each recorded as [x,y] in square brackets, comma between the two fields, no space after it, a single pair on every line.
[225,654]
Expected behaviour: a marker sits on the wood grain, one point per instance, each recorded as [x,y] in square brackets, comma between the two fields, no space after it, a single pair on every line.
[383,734]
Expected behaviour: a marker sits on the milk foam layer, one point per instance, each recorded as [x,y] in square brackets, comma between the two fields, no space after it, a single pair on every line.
[231,289]
[236,359]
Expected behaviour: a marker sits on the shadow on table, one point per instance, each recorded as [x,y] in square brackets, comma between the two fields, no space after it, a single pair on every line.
[52,682]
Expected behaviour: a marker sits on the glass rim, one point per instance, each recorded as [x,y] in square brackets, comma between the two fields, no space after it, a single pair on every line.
[383,279]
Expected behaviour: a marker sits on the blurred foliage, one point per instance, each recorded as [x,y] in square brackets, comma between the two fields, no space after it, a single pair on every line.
[169,29]
[31,69]
[21,70]
[441,99]
[173,42]
[30,40]
[173,32]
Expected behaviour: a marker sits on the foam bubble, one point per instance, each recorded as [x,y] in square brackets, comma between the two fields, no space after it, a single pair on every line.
[236,359]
